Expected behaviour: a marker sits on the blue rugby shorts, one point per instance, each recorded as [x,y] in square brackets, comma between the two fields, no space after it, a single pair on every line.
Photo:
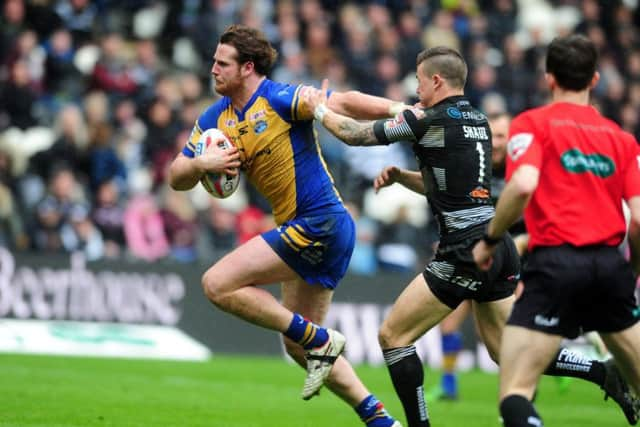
[318,248]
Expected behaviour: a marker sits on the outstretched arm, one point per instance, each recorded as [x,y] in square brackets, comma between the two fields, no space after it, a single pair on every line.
[345,128]
[361,106]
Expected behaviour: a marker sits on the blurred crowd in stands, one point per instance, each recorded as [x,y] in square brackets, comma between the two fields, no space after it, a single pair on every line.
[97,97]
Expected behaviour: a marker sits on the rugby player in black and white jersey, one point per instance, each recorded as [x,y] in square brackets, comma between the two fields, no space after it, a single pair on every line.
[452,143]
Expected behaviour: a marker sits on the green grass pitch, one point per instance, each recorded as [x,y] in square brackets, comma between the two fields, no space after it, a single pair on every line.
[229,391]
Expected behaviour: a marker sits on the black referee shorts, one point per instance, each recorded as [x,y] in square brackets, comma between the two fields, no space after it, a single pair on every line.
[570,290]
[453,276]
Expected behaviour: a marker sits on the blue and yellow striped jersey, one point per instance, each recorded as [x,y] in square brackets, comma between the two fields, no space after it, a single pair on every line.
[278,148]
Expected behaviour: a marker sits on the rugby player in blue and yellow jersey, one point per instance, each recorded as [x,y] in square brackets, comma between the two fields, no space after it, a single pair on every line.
[308,252]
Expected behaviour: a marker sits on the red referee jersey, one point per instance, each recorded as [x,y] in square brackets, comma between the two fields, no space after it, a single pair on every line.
[587,166]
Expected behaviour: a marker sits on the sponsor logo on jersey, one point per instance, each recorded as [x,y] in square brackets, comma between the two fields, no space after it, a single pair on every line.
[230,123]
[260,126]
[576,161]
[518,145]
[454,113]
[257,115]
[546,321]
[480,193]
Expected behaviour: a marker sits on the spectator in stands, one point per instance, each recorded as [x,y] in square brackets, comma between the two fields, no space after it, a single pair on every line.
[69,148]
[12,23]
[112,74]
[53,212]
[79,16]
[144,229]
[18,98]
[62,78]
[221,228]
[104,163]
[128,139]
[79,234]
[108,216]
[180,225]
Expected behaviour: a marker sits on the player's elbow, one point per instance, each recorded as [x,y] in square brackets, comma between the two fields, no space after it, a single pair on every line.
[178,185]
[525,181]
[178,177]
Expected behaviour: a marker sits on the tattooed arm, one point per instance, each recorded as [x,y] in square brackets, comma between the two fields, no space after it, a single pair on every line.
[349,130]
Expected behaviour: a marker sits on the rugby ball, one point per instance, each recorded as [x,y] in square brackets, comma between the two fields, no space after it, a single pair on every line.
[219,185]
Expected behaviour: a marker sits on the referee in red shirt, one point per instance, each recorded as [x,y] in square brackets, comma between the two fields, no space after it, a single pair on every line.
[568,169]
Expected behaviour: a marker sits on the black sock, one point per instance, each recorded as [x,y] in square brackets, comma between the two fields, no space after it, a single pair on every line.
[517,411]
[407,376]
[570,364]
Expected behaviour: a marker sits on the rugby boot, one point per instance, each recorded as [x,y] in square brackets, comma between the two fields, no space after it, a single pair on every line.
[617,388]
[320,361]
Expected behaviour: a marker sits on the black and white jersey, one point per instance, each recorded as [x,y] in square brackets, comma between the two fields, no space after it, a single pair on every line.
[452,144]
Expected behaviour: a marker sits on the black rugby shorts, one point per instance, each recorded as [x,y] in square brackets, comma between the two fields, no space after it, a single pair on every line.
[570,290]
[453,276]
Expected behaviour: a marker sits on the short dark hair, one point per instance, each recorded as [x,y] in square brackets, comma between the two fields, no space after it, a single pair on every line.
[447,62]
[252,46]
[572,60]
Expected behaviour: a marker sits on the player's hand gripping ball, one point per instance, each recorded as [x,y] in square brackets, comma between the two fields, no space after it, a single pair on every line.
[219,185]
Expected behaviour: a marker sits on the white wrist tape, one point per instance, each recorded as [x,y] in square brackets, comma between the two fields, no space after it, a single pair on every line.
[396,108]
[319,112]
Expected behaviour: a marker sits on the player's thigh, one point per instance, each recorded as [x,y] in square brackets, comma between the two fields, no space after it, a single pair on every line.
[625,348]
[524,356]
[415,311]
[490,319]
[452,322]
[252,263]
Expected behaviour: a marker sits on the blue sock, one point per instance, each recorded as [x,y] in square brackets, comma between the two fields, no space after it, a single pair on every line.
[452,343]
[449,384]
[372,412]
[306,333]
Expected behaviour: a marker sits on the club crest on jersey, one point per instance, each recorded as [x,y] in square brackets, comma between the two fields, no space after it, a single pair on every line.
[519,144]
[230,123]
[260,126]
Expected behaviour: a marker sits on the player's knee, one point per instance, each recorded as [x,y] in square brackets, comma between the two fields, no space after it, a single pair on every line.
[212,289]
[386,337]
